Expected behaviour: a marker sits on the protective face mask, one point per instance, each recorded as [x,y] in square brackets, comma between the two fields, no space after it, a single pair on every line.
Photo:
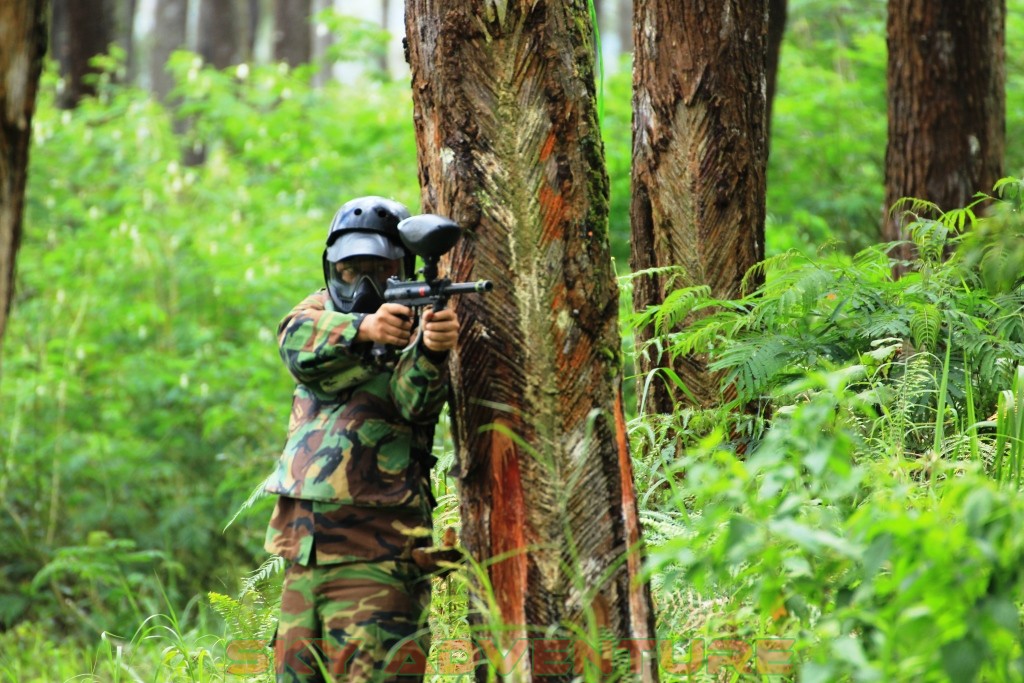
[362,296]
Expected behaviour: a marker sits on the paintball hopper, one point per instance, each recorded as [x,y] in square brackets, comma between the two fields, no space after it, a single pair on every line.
[429,235]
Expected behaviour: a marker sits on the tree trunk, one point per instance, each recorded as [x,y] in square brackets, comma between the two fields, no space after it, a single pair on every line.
[947,103]
[624,9]
[509,146]
[220,34]
[699,161]
[169,35]
[776,32]
[322,42]
[82,29]
[293,34]
[23,36]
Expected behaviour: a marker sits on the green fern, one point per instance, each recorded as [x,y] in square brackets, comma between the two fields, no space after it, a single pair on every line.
[250,618]
[925,327]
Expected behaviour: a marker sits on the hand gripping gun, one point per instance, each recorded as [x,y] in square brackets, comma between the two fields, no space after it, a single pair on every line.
[428,236]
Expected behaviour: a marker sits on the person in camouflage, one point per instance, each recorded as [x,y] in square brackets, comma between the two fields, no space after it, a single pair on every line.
[352,483]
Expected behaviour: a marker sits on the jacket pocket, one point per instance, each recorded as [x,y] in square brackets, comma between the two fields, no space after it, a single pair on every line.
[379,471]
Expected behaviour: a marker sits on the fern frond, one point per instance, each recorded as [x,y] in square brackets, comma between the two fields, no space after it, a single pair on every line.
[272,566]
[930,237]
[925,326]
[752,363]
[769,266]
[256,494]
[913,206]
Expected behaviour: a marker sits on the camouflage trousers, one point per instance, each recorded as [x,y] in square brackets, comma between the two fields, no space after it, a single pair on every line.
[362,622]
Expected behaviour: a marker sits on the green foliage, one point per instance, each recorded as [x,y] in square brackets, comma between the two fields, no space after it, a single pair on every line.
[142,395]
[875,521]
[814,314]
[826,160]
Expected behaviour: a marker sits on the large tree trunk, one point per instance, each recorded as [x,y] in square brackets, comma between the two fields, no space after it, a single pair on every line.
[293,34]
[168,35]
[23,37]
[82,29]
[509,146]
[947,103]
[699,161]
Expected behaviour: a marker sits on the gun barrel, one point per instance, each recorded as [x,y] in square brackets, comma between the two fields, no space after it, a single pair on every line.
[420,293]
[468,287]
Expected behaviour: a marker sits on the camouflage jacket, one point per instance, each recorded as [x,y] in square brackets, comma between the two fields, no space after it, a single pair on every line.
[357,435]
[312,533]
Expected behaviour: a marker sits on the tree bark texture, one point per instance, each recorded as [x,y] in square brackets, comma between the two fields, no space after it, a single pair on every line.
[509,146]
[293,32]
[23,37]
[82,29]
[169,35]
[699,162]
[947,103]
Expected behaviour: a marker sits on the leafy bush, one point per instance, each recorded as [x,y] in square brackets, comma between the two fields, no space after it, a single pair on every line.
[815,314]
[876,517]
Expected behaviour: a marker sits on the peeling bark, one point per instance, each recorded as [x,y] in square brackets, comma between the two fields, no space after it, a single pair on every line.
[509,146]
[947,103]
[699,162]
[23,37]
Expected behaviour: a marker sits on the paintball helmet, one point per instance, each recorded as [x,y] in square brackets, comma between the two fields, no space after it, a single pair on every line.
[363,231]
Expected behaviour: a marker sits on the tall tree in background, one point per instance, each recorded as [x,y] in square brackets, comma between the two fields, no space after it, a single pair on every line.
[81,30]
[171,19]
[947,103]
[509,146]
[699,161]
[23,41]
[293,34]
[776,32]
[124,21]
[220,35]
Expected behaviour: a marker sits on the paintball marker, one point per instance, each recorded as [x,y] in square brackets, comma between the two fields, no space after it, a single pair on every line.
[428,236]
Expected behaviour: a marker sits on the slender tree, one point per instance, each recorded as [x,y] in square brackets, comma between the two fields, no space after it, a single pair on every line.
[947,102]
[624,23]
[509,146]
[82,29]
[23,37]
[699,162]
[293,35]
[171,18]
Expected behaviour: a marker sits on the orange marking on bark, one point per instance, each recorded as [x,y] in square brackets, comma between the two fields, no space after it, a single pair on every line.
[549,146]
[508,533]
[552,208]
[639,617]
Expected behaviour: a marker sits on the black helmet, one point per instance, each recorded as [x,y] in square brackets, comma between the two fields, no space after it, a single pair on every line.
[367,227]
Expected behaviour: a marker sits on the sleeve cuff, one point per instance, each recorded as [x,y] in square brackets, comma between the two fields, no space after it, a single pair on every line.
[437,358]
